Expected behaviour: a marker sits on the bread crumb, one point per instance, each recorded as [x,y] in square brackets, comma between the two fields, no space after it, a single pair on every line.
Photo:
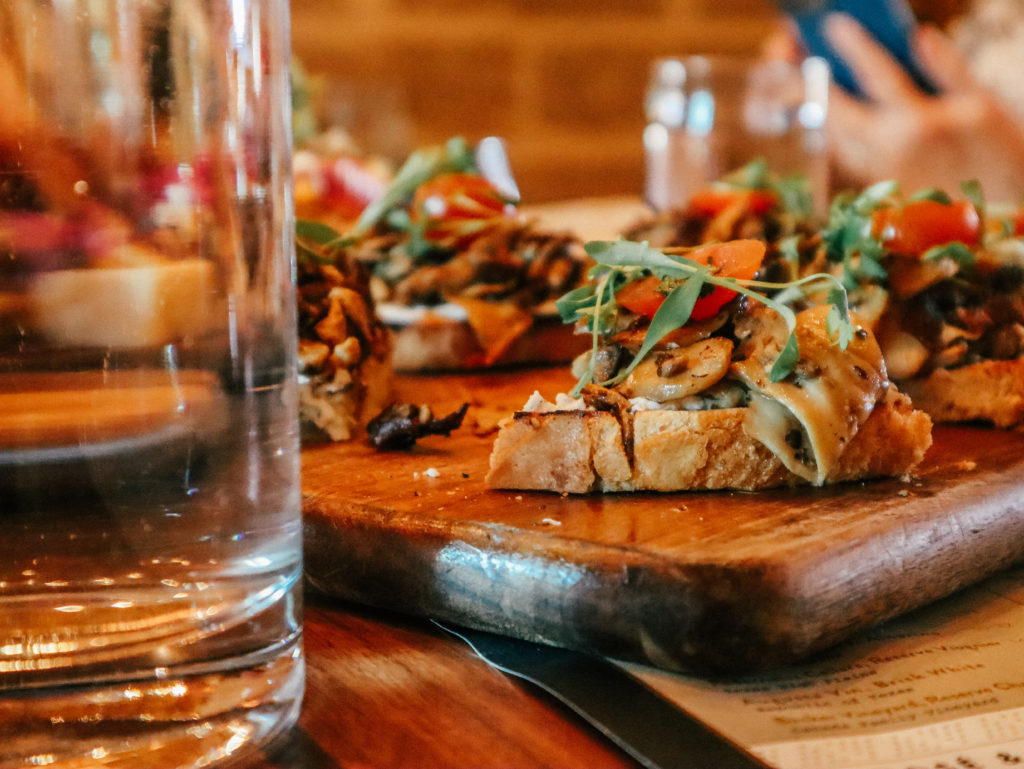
[550,522]
[902,493]
[966,465]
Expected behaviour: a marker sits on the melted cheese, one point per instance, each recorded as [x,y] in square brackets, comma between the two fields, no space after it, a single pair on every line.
[808,419]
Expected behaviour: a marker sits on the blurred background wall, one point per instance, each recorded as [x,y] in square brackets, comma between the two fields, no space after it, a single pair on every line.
[561,80]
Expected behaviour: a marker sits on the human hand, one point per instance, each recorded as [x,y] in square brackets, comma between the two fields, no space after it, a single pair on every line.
[899,132]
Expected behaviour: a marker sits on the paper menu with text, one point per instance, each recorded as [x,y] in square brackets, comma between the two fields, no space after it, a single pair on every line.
[940,688]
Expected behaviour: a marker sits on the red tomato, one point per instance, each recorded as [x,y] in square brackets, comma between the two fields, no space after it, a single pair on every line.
[924,224]
[714,200]
[1018,223]
[457,196]
[733,259]
[449,201]
[641,296]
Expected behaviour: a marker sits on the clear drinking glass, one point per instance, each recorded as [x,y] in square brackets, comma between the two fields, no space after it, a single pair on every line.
[709,115]
[149,470]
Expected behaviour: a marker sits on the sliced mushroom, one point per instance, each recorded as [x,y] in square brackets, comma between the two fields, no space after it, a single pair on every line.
[693,331]
[909,277]
[951,356]
[904,353]
[869,301]
[674,374]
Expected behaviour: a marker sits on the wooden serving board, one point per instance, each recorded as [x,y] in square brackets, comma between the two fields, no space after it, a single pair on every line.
[705,581]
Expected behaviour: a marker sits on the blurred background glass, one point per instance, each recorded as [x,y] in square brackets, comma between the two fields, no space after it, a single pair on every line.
[149,470]
[707,116]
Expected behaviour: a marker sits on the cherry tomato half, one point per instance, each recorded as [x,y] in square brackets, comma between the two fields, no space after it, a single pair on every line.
[733,259]
[447,203]
[714,200]
[641,297]
[924,224]
[457,196]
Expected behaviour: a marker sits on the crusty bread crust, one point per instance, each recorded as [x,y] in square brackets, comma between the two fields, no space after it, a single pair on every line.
[582,451]
[989,391]
[339,410]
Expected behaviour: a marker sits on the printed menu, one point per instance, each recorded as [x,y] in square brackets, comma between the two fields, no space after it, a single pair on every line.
[939,688]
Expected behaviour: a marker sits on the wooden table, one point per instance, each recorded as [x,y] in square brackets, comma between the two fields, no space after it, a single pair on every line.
[388,691]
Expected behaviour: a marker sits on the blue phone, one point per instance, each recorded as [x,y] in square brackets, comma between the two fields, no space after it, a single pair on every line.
[890,21]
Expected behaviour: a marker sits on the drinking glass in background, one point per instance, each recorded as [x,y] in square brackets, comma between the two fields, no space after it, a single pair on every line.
[708,115]
[149,468]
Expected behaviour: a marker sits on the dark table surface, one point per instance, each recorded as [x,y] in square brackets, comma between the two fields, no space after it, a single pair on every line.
[384,690]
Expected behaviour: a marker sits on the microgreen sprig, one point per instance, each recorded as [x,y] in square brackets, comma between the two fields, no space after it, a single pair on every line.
[793,190]
[315,232]
[621,262]
[850,241]
[454,156]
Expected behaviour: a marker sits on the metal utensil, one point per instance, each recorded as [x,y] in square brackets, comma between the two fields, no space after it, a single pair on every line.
[652,730]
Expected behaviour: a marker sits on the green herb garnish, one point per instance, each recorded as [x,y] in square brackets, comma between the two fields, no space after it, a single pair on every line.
[793,191]
[850,240]
[621,262]
[315,232]
[455,156]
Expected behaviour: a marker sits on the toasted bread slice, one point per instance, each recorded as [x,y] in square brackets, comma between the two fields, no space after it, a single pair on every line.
[582,451]
[987,391]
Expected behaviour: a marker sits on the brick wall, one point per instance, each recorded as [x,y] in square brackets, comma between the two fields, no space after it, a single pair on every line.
[561,80]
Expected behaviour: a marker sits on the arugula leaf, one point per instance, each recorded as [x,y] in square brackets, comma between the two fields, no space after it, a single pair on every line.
[796,196]
[319,233]
[422,166]
[959,252]
[752,176]
[308,255]
[787,360]
[868,200]
[621,261]
[839,327]
[789,249]
[933,194]
[674,313]
[794,191]
[570,304]
[973,192]
[631,254]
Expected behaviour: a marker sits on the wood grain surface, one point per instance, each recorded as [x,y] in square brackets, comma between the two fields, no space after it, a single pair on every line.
[394,692]
[709,581]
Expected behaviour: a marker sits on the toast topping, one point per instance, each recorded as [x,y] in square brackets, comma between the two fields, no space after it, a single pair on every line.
[808,419]
[809,380]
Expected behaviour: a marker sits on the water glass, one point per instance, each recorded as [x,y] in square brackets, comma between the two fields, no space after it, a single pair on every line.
[709,115]
[149,470]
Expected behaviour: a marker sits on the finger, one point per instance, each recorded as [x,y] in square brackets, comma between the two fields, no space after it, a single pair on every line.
[848,128]
[943,60]
[879,75]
